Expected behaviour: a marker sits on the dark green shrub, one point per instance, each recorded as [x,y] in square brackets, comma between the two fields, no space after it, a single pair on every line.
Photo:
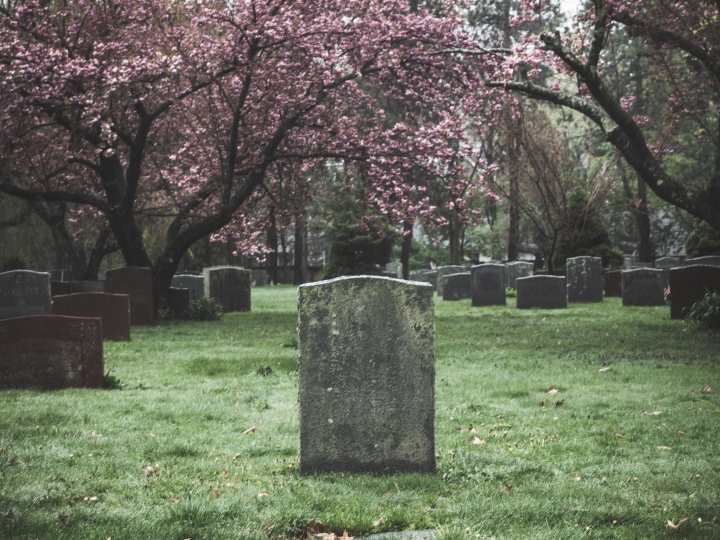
[705,314]
[703,241]
[205,309]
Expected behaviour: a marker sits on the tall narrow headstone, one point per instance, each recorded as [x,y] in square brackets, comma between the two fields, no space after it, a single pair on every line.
[584,279]
[545,292]
[229,285]
[457,286]
[643,287]
[488,285]
[690,284]
[137,283]
[24,292]
[113,309]
[366,375]
[515,270]
[51,352]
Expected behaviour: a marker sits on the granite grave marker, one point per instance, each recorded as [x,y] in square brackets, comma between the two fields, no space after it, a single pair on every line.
[546,292]
[137,283]
[584,279]
[488,285]
[24,292]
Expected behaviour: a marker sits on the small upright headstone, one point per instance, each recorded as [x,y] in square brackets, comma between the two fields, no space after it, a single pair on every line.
[137,283]
[708,260]
[446,271]
[229,285]
[488,285]
[517,269]
[51,352]
[366,375]
[690,284]
[195,283]
[24,292]
[613,283]
[457,286]
[545,292]
[113,309]
[643,287]
[584,279]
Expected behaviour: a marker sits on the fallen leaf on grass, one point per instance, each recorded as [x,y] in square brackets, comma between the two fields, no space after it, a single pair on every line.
[87,499]
[542,403]
[553,391]
[558,403]
[507,486]
[152,470]
[378,522]
[478,442]
[618,436]
[674,528]
[706,390]
[654,413]
[664,447]
[604,370]
[250,430]
[261,495]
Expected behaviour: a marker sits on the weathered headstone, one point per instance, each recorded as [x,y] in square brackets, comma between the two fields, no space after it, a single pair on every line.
[58,274]
[366,375]
[425,276]
[71,287]
[643,287]
[584,279]
[137,283]
[51,352]
[708,260]
[195,283]
[229,285]
[113,309]
[24,292]
[688,285]
[667,262]
[488,285]
[613,283]
[446,271]
[517,269]
[179,302]
[457,286]
[546,292]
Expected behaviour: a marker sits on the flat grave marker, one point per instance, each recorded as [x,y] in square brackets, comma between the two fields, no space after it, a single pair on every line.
[643,287]
[229,285]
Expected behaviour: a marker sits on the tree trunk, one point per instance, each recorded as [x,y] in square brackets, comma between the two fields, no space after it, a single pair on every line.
[272,244]
[300,270]
[405,249]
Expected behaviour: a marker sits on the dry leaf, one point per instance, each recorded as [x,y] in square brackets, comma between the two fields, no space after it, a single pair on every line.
[673,528]
[604,370]
[577,478]
[664,447]
[507,486]
[706,390]
[250,430]
[553,391]
[378,522]
[559,403]
[478,442]
[216,493]
[262,494]
[542,403]
[654,413]
[618,436]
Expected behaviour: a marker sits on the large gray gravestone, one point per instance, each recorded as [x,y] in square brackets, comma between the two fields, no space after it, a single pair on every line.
[457,286]
[24,292]
[446,271]
[196,284]
[366,373]
[515,270]
[643,287]
[137,283]
[51,352]
[690,284]
[546,292]
[584,279]
[113,309]
[229,285]
[488,285]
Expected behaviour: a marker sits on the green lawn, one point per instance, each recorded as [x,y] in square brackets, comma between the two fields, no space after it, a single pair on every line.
[598,421]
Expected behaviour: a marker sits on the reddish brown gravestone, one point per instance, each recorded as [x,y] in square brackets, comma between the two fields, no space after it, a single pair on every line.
[137,283]
[51,352]
[113,309]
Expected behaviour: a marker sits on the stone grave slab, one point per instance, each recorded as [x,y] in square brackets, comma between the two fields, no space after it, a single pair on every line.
[488,285]
[584,279]
[667,262]
[366,373]
[643,287]
[137,283]
[113,309]
[517,269]
[24,292]
[195,283]
[545,292]
[457,286]
[446,271]
[613,283]
[51,352]
[229,285]
[688,285]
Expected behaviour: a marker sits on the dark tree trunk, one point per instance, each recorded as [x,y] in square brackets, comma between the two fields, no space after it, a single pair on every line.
[405,249]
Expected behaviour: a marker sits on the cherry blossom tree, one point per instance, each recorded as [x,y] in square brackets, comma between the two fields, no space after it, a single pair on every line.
[182,113]
[676,153]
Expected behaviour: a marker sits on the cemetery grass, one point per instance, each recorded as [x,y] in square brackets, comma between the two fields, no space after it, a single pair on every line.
[597,421]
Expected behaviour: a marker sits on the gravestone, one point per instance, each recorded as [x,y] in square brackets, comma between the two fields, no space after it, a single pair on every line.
[113,309]
[517,269]
[58,274]
[71,287]
[667,262]
[688,285]
[366,375]
[137,283]
[643,287]
[179,302]
[51,352]
[446,271]
[24,292]
[709,260]
[584,279]
[613,283]
[257,277]
[546,292]
[229,285]
[488,285]
[457,286]
[195,283]
[425,276]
